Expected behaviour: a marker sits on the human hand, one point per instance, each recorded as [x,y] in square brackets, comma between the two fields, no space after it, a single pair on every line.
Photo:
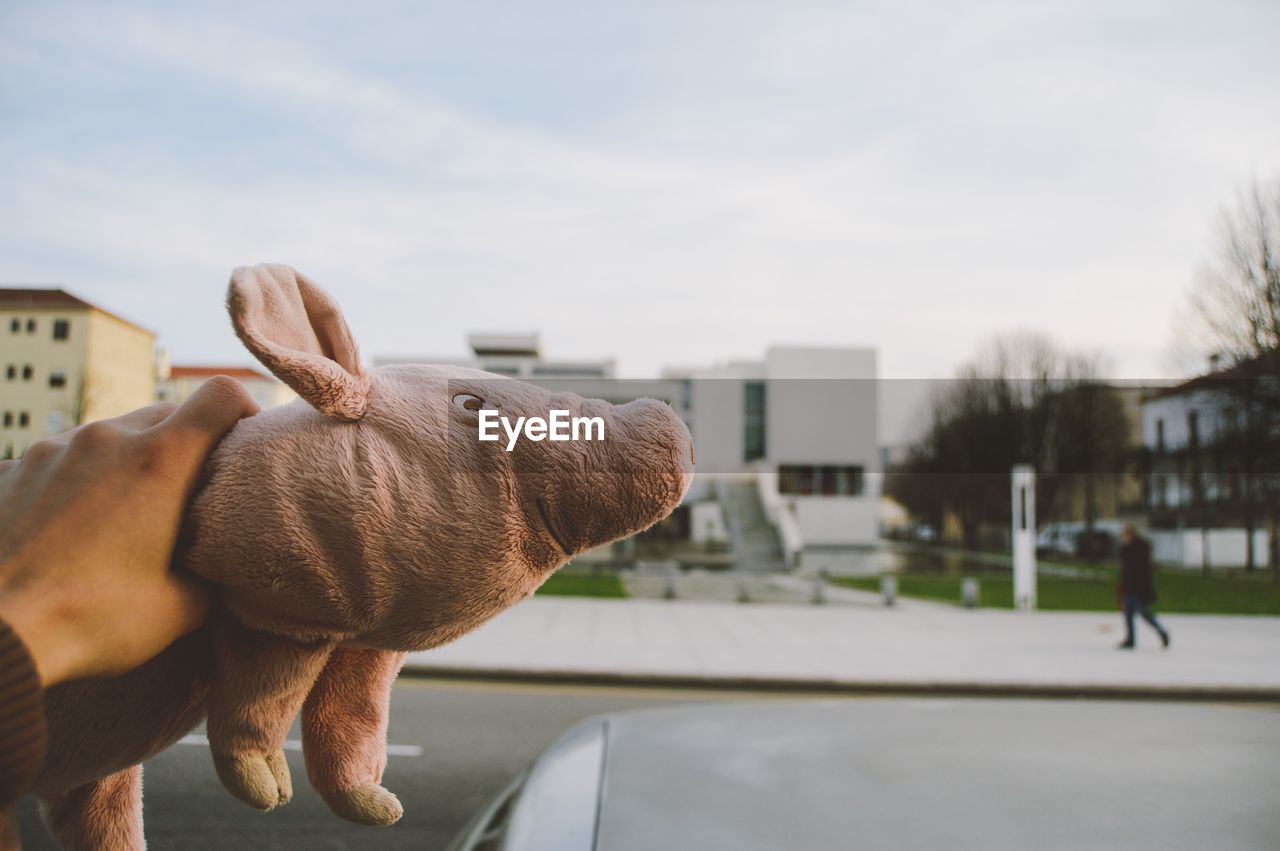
[88,523]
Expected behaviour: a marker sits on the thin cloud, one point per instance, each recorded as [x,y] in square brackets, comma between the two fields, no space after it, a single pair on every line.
[910,181]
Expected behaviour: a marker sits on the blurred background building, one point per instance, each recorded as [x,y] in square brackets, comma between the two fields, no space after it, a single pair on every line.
[176,383]
[1209,444]
[67,362]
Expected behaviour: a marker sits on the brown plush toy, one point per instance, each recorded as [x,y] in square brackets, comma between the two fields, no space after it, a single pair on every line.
[362,521]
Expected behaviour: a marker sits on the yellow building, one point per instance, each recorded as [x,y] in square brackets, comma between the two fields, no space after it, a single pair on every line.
[64,361]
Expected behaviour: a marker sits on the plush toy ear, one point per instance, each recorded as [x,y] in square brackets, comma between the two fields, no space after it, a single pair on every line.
[298,333]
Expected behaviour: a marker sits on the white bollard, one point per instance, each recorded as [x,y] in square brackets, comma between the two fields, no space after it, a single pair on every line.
[889,589]
[1023,496]
[669,591]
[969,592]
[744,588]
[820,589]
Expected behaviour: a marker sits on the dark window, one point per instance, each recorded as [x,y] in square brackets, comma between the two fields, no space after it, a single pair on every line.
[31,326]
[8,418]
[1193,428]
[61,329]
[57,379]
[24,419]
[686,394]
[850,481]
[1159,435]
[827,480]
[11,372]
[15,325]
[27,372]
[753,412]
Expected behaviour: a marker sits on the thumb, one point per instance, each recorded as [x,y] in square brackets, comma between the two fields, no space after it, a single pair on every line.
[196,427]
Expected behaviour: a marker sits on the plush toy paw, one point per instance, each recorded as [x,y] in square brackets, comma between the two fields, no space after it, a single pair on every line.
[260,780]
[369,804]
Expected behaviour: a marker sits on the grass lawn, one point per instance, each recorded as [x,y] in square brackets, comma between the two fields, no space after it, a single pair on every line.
[583,585]
[1178,592]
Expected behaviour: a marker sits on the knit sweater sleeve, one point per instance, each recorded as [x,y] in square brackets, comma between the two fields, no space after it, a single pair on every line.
[22,724]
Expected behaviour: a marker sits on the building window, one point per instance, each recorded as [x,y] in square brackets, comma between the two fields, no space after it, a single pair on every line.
[24,419]
[1230,419]
[61,329]
[15,325]
[823,480]
[8,419]
[753,413]
[850,481]
[27,372]
[11,372]
[1193,428]
[31,326]
[57,379]
[1159,435]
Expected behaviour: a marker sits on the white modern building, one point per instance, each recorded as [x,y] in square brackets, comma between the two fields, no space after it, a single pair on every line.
[514,355]
[799,427]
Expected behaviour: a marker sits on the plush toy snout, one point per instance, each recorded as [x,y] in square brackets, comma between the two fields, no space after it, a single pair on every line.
[624,484]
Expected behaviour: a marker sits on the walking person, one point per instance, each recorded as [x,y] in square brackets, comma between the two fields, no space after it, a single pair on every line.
[1137,586]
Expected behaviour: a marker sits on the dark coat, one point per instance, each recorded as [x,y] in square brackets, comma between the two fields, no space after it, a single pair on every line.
[1137,579]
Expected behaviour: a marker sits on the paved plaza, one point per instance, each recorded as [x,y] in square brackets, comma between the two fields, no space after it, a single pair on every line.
[912,648]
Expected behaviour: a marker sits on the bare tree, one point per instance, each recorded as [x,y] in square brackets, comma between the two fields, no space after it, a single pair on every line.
[82,400]
[1236,310]
[1022,400]
[1236,298]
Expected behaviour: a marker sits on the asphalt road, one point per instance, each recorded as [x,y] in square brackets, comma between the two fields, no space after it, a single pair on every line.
[454,745]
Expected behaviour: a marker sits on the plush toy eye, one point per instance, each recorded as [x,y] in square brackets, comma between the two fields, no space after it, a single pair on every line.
[467,402]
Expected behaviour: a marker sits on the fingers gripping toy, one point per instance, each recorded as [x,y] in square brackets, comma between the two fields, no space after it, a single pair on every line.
[362,521]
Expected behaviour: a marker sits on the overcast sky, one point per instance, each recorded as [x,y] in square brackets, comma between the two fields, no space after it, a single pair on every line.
[665,183]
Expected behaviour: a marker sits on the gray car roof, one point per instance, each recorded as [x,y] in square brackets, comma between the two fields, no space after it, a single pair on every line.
[895,773]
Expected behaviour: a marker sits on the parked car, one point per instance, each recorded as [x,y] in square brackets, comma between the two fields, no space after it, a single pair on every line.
[835,774]
[925,534]
[1058,538]
[1071,539]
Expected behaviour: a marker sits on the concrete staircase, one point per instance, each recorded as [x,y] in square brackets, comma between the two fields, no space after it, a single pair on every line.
[756,548]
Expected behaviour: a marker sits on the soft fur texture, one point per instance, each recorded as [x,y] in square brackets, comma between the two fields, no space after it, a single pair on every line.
[360,522]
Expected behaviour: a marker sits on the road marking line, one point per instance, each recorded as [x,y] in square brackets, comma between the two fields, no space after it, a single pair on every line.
[296,745]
